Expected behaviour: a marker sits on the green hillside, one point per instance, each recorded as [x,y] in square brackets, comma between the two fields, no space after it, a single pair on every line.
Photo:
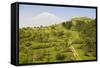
[68,41]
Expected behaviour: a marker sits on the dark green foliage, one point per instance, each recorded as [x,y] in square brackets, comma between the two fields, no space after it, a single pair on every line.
[52,43]
[60,56]
[67,24]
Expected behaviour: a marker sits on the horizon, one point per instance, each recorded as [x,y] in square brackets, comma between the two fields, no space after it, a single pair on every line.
[35,15]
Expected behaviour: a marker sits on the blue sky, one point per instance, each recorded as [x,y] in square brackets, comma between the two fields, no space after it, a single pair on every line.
[28,12]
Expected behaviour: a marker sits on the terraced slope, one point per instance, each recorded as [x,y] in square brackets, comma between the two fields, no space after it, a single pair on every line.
[68,41]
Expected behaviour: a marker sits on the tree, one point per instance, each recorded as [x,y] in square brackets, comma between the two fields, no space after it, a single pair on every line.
[60,56]
[67,24]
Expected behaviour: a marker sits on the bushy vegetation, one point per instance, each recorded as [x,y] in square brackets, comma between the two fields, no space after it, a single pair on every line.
[59,42]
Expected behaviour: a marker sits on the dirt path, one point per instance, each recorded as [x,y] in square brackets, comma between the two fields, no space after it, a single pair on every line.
[76,55]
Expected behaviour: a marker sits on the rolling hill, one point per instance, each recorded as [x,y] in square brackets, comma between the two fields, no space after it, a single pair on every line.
[71,40]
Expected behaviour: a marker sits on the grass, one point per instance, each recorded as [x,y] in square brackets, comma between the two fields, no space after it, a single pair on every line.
[81,53]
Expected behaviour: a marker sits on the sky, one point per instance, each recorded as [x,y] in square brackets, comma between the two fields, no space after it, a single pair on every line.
[36,15]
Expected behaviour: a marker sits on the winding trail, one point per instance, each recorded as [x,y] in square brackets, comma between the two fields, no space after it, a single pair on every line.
[76,55]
